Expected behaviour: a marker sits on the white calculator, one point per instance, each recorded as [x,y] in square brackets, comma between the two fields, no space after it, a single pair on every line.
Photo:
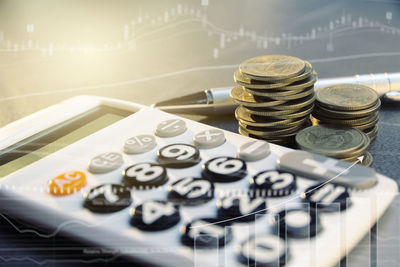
[168,191]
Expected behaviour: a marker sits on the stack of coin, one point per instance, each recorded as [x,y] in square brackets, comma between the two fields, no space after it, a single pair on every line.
[275,94]
[333,141]
[348,105]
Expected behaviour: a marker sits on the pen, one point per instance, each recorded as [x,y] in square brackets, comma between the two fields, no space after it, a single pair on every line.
[218,101]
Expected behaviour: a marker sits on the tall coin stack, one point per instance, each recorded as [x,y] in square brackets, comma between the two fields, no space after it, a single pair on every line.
[275,94]
[348,105]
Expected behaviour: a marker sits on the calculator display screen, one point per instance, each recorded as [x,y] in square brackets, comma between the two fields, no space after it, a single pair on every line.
[55,138]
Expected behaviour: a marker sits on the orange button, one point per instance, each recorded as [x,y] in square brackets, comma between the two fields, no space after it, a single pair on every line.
[67,183]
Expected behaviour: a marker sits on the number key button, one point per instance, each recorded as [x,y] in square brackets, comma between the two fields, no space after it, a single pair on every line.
[105,162]
[191,191]
[140,144]
[170,128]
[178,156]
[67,183]
[145,174]
[241,208]
[273,183]
[155,215]
[224,169]
[107,198]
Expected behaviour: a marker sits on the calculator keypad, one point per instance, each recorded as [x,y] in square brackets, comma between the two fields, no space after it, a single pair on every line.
[224,169]
[107,198]
[145,175]
[105,162]
[178,156]
[155,215]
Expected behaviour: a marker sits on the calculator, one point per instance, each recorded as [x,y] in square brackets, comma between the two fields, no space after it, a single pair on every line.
[168,191]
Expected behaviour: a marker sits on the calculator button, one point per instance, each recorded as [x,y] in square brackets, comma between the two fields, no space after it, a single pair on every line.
[107,198]
[297,223]
[155,215]
[327,197]
[209,139]
[140,144]
[145,175]
[324,169]
[224,169]
[254,150]
[273,183]
[105,162]
[241,208]
[178,156]
[191,191]
[67,183]
[263,250]
[206,233]
[170,128]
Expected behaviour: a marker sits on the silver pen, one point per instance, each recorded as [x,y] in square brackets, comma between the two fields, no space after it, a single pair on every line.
[218,101]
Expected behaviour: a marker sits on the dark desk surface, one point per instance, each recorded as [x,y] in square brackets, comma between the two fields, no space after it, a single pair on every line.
[145,52]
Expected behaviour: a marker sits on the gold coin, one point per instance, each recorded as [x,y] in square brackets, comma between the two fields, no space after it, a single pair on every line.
[279,141]
[274,113]
[274,123]
[308,91]
[366,126]
[241,79]
[367,160]
[269,132]
[351,122]
[348,113]
[347,97]
[296,86]
[241,96]
[272,67]
[372,133]
[295,104]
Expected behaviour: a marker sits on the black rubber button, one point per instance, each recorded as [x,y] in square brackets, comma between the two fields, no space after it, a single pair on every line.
[178,156]
[191,191]
[155,215]
[107,198]
[273,183]
[327,197]
[241,208]
[144,175]
[263,250]
[206,233]
[297,222]
[224,169]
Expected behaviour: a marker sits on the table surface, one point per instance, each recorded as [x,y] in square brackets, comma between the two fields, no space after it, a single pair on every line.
[147,52]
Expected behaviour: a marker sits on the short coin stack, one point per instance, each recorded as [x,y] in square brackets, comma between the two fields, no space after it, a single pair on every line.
[275,94]
[332,141]
[348,105]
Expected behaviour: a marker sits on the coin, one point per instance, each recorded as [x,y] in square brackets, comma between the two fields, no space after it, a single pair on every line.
[271,131]
[300,94]
[273,113]
[272,67]
[330,140]
[243,80]
[346,97]
[348,113]
[274,123]
[295,104]
[372,132]
[239,95]
[349,122]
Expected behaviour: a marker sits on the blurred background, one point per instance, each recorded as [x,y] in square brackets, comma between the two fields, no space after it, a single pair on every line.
[148,51]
